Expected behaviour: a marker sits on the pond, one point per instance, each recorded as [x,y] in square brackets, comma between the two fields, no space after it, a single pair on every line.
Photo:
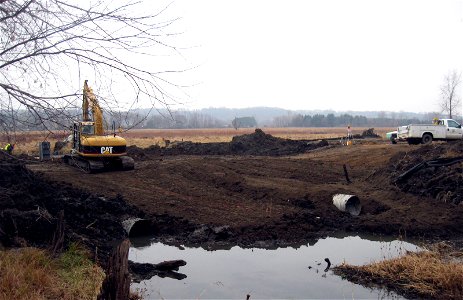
[283,273]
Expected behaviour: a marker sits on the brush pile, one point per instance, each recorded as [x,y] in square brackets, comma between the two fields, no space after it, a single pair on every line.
[444,183]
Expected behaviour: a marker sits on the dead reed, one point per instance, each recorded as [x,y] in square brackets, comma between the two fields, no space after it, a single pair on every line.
[434,273]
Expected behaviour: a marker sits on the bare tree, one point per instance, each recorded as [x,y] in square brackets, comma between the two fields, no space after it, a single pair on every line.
[235,123]
[381,114]
[48,47]
[450,99]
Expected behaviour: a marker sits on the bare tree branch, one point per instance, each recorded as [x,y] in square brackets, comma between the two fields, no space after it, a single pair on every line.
[47,45]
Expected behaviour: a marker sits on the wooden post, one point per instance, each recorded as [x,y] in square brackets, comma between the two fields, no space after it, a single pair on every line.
[346,174]
[58,237]
[116,285]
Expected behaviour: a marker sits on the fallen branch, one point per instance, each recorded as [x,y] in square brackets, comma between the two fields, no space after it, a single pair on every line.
[144,271]
[439,162]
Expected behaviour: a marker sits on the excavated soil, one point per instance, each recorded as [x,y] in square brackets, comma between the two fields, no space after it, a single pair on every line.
[259,195]
[258,143]
[30,206]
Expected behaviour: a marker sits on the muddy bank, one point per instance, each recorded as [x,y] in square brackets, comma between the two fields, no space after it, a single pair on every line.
[367,280]
[30,206]
[257,143]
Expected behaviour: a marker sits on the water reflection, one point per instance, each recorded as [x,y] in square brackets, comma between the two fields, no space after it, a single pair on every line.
[280,273]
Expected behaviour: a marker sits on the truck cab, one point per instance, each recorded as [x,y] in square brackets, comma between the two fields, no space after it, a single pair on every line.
[454,130]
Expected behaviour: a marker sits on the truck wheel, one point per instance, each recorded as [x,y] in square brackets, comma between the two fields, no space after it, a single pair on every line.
[393,139]
[426,139]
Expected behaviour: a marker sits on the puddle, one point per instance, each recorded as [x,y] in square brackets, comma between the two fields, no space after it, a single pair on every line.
[283,273]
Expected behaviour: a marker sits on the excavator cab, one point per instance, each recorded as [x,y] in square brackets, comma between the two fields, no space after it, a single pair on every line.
[87,128]
[81,130]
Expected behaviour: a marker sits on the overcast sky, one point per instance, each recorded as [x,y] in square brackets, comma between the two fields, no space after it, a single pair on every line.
[321,54]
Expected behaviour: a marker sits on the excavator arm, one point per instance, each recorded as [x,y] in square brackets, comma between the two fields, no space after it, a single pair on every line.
[89,100]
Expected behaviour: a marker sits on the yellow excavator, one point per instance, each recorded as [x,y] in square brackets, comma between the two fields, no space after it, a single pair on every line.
[92,150]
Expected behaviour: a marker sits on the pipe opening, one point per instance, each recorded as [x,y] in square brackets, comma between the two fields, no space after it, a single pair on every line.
[137,227]
[348,203]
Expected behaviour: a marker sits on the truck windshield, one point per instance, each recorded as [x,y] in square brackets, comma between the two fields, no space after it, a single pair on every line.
[88,129]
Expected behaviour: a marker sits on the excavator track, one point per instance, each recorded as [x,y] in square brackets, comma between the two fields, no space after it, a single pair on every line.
[127,163]
[99,165]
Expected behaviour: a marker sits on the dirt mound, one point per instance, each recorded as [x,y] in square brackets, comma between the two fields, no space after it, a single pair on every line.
[257,143]
[439,182]
[368,133]
[30,206]
[260,143]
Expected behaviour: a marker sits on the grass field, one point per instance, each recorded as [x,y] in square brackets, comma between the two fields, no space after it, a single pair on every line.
[26,142]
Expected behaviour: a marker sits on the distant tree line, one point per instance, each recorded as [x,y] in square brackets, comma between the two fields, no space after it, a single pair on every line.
[12,121]
[23,120]
[331,120]
[186,119]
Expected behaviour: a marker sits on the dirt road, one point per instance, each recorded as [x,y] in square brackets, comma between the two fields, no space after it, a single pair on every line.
[285,199]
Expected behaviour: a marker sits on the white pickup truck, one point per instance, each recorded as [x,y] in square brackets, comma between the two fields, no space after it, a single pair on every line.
[443,130]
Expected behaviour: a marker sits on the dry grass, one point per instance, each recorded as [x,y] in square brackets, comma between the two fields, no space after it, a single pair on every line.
[226,134]
[27,142]
[435,273]
[30,273]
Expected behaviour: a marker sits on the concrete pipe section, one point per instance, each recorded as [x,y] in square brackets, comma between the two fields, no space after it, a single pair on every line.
[347,203]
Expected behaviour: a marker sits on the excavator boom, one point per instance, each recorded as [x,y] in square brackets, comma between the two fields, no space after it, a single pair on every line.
[89,100]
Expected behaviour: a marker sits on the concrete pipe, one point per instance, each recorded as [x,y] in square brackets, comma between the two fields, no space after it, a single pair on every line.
[347,203]
[137,227]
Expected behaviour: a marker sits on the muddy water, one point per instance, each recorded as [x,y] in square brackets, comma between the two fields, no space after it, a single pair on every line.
[283,273]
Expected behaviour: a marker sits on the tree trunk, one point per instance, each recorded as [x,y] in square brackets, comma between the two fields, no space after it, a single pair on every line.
[116,285]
